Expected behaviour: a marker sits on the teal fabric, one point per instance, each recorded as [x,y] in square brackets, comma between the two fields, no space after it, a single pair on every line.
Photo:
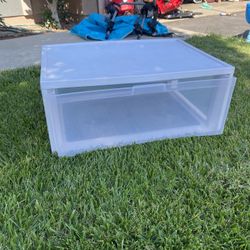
[94,27]
[248,20]
[248,12]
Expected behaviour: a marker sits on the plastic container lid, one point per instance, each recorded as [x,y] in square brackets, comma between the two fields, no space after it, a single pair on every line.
[123,62]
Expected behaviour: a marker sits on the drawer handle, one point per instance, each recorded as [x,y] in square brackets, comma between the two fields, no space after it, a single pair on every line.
[149,89]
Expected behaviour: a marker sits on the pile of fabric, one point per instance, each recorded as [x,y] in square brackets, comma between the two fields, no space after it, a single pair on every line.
[94,27]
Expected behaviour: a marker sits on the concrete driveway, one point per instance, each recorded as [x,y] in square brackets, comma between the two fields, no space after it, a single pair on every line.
[25,51]
[210,21]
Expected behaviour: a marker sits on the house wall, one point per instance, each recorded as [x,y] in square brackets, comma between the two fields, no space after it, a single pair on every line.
[26,5]
[38,7]
[35,8]
[89,6]
[101,5]
[81,8]
[15,8]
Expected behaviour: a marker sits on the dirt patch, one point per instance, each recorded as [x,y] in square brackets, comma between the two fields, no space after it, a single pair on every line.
[7,32]
[10,35]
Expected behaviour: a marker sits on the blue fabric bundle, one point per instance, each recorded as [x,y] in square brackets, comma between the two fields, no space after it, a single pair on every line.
[248,12]
[94,27]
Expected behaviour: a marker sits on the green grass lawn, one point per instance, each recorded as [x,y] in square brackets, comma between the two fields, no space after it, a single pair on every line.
[191,193]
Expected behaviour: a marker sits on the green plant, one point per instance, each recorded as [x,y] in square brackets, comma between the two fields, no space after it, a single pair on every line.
[63,11]
[53,7]
[56,13]
[49,21]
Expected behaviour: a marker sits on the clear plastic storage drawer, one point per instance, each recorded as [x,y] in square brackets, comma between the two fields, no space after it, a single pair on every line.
[85,117]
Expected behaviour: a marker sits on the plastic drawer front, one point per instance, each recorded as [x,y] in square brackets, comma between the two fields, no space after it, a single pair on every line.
[86,119]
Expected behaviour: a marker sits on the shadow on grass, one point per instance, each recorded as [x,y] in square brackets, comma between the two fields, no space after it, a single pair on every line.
[243,35]
[232,50]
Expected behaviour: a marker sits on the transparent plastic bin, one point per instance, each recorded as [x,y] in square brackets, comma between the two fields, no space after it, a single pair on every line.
[84,116]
